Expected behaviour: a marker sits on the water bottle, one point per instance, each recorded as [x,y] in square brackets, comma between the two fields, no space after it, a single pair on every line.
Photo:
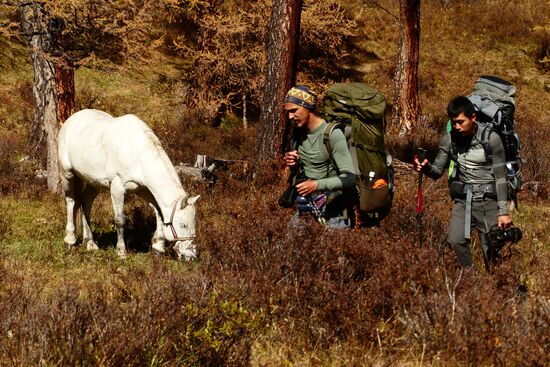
[371,178]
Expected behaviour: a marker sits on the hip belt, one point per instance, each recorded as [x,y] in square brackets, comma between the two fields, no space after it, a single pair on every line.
[460,190]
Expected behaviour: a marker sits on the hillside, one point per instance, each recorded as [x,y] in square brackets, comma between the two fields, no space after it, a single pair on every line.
[263,294]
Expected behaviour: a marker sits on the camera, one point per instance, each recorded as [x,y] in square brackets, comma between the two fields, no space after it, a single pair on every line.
[499,237]
[287,199]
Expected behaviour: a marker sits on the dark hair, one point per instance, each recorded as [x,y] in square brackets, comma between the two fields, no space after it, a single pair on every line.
[460,105]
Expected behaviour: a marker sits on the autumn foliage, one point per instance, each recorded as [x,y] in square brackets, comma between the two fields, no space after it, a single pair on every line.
[263,293]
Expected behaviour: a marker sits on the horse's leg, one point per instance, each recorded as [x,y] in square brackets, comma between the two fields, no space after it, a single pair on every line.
[88,197]
[157,242]
[158,238]
[117,197]
[71,187]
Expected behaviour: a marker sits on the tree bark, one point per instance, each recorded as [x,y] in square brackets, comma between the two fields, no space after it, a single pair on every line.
[406,107]
[53,89]
[64,88]
[280,76]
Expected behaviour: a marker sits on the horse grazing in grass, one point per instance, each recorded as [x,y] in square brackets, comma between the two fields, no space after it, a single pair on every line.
[97,151]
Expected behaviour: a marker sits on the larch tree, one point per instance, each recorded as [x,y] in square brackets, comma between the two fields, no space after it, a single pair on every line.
[406,106]
[42,35]
[223,45]
[280,75]
[62,35]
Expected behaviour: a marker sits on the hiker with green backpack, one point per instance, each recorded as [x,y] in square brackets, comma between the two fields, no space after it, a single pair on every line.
[349,126]
[477,180]
[360,111]
[324,181]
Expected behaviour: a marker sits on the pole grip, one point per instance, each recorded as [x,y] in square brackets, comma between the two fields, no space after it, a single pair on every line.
[421,154]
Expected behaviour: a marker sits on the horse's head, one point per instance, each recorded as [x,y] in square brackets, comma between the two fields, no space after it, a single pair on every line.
[181,227]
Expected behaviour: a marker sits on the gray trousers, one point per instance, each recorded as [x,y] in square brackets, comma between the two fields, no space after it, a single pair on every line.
[484,218]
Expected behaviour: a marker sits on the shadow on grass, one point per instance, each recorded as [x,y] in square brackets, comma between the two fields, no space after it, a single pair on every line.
[136,241]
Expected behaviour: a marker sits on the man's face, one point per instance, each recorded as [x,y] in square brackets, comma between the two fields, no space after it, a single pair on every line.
[297,114]
[464,125]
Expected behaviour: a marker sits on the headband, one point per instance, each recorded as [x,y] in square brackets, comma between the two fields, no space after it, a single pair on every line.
[301,96]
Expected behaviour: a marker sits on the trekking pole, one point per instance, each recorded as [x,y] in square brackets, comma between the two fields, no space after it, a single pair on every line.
[420,154]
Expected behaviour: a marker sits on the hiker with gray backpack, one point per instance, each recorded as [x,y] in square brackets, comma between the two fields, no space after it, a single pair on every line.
[480,148]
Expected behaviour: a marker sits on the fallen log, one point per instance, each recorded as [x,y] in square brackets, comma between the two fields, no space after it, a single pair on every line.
[207,168]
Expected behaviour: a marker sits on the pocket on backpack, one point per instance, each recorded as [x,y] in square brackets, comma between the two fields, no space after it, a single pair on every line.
[373,199]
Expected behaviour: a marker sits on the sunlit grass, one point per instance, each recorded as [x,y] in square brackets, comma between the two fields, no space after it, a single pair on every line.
[262,294]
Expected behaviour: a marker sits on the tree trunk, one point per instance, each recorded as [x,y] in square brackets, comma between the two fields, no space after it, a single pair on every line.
[406,107]
[64,87]
[280,76]
[53,90]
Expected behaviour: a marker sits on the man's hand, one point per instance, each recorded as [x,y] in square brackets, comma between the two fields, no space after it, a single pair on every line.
[291,158]
[417,165]
[307,187]
[504,221]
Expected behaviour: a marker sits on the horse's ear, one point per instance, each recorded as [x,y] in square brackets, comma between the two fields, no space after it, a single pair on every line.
[188,201]
[193,199]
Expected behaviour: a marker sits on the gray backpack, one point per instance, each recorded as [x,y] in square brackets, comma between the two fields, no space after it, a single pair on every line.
[494,99]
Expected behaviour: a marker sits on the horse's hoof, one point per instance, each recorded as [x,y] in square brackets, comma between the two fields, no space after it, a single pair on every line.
[122,254]
[69,241]
[69,246]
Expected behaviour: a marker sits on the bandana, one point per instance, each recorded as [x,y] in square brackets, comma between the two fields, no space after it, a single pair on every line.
[301,96]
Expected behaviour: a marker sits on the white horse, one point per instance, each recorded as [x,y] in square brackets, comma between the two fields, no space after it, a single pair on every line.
[98,151]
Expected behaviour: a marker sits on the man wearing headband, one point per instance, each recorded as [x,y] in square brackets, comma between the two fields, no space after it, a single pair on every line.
[329,178]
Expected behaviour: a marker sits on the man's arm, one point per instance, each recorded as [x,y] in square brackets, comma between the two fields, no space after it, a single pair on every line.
[441,162]
[342,158]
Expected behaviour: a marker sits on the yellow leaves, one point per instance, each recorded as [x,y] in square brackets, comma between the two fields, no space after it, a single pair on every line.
[214,325]
[196,4]
[542,28]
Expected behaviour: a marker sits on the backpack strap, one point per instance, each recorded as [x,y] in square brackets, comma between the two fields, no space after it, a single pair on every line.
[326,142]
[485,133]
[453,164]
[326,136]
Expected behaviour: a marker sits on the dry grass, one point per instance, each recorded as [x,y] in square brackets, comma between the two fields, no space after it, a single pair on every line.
[263,294]
[266,294]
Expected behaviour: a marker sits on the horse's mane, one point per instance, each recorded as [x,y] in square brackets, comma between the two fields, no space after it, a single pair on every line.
[159,152]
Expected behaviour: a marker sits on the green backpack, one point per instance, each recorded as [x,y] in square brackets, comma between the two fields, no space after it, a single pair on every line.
[359,110]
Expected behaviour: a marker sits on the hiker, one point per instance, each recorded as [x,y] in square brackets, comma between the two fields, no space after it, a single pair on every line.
[477,186]
[326,183]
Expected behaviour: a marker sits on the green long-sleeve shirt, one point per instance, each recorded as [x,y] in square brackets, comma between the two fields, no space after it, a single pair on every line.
[318,164]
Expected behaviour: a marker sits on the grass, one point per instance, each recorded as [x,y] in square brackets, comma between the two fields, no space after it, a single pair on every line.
[242,279]
[237,266]
[262,294]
